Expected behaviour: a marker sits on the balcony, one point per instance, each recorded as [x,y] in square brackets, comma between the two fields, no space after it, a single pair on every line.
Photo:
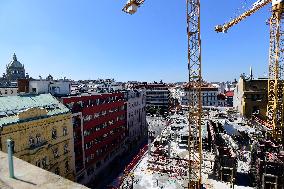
[37,145]
[93,109]
[101,120]
[104,142]
[102,156]
[104,131]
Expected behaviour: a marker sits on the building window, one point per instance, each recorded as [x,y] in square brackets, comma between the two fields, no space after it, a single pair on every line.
[65,131]
[97,152]
[54,134]
[96,115]
[66,166]
[98,164]
[90,171]
[44,162]
[103,113]
[110,122]
[98,128]
[65,148]
[38,139]
[57,171]
[86,133]
[38,163]
[55,153]
[31,141]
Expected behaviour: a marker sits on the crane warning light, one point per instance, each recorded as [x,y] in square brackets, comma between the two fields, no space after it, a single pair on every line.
[130,7]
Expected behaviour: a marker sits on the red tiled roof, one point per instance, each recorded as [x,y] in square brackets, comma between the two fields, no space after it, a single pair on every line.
[229,93]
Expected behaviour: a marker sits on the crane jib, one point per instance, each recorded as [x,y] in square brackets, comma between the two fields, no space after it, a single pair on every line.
[255,7]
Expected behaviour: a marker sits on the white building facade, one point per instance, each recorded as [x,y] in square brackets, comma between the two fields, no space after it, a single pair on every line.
[59,87]
[208,95]
[8,91]
[136,117]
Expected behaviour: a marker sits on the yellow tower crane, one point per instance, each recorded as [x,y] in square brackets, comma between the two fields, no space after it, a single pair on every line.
[276,60]
[195,82]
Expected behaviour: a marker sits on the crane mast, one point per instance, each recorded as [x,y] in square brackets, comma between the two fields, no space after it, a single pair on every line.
[195,83]
[275,77]
[275,106]
[195,103]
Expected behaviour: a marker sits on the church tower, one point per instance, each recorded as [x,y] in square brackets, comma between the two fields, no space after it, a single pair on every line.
[15,70]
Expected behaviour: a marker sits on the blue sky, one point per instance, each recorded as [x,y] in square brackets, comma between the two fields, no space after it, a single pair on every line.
[90,39]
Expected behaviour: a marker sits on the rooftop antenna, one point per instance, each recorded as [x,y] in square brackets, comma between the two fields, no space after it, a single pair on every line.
[250,73]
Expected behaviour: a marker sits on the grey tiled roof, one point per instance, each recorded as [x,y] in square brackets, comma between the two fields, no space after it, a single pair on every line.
[10,106]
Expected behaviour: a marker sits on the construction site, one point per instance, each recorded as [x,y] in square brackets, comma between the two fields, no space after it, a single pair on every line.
[236,153]
[191,145]
[207,147]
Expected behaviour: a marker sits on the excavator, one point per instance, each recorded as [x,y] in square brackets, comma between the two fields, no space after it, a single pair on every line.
[275,107]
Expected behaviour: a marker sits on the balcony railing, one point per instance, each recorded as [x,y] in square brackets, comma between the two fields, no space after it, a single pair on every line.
[37,145]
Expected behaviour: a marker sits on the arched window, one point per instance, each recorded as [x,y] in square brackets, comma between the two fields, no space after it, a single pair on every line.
[65,131]
[44,162]
[38,163]
[38,139]
[65,148]
[54,134]
[57,171]
[31,141]
[66,166]
[55,153]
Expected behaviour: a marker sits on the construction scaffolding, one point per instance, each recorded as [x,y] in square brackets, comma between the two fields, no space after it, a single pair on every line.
[225,165]
[268,161]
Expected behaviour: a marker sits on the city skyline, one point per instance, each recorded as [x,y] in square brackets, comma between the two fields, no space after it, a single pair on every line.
[90,40]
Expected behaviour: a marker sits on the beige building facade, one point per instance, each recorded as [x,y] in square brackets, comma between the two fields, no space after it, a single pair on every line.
[250,97]
[42,130]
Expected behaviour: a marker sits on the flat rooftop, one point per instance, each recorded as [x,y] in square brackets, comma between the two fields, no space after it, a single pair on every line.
[29,176]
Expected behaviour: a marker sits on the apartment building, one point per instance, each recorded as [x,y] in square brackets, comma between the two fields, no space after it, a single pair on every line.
[222,101]
[41,128]
[250,96]
[54,87]
[137,129]
[230,98]
[99,124]
[157,95]
[209,95]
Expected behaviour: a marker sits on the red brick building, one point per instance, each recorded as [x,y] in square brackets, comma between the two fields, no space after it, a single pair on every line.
[229,97]
[99,123]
